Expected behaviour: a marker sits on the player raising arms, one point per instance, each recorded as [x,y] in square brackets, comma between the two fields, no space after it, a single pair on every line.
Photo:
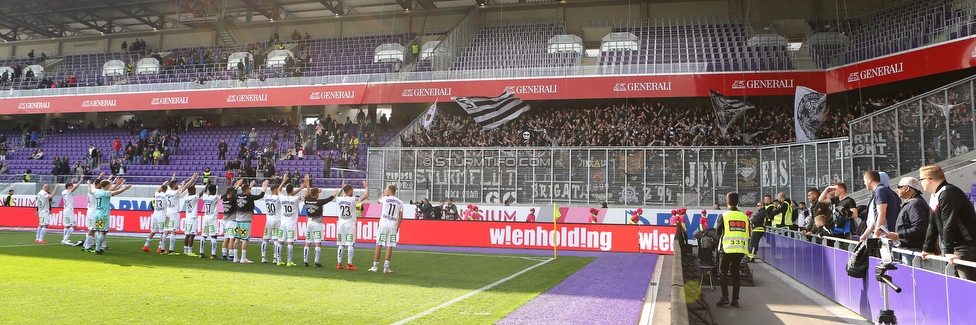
[158,218]
[209,228]
[245,213]
[316,229]
[89,245]
[349,208]
[290,205]
[191,205]
[229,199]
[68,204]
[44,212]
[103,200]
[173,209]
[90,212]
[272,227]
[389,226]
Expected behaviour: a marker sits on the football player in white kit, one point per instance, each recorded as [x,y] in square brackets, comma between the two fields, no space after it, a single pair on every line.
[191,206]
[68,211]
[209,229]
[158,218]
[349,208]
[290,206]
[44,212]
[389,227]
[272,227]
[173,209]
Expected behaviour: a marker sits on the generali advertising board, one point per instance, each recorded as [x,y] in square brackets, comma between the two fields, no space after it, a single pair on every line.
[949,56]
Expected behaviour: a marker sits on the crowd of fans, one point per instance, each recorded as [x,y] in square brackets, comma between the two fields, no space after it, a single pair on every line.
[627,123]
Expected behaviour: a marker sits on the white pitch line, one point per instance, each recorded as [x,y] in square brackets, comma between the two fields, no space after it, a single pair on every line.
[647,313]
[469,294]
[475,255]
[58,244]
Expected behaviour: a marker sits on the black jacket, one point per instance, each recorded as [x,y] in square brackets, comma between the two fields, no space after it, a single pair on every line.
[953,219]
[911,223]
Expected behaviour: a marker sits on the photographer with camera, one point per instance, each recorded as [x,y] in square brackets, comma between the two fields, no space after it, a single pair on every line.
[912,220]
[953,220]
[843,209]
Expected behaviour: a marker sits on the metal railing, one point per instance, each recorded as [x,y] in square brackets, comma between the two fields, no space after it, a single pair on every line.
[455,41]
[627,176]
[925,129]
[940,264]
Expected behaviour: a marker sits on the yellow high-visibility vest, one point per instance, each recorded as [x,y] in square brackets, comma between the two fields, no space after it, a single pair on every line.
[735,238]
[778,219]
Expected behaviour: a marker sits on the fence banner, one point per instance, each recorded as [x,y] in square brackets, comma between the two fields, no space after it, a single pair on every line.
[494,234]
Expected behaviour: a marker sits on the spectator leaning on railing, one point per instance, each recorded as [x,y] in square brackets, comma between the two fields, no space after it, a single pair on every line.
[912,220]
[953,220]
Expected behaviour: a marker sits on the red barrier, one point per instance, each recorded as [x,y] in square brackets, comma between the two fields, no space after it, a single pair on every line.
[577,237]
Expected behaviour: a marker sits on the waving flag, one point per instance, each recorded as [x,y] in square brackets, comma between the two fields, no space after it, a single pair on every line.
[809,113]
[492,112]
[429,117]
[727,109]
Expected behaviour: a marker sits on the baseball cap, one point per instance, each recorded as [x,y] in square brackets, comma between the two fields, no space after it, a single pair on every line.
[910,182]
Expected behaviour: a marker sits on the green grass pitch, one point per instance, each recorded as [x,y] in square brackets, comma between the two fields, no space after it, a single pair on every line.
[54,284]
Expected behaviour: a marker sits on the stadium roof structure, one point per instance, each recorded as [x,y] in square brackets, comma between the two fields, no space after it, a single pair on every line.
[40,19]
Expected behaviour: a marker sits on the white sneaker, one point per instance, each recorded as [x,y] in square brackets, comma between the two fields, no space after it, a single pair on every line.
[246,261]
[372,269]
[264,260]
[65,242]
[387,270]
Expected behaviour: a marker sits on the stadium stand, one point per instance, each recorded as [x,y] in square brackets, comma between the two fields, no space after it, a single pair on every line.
[901,27]
[515,45]
[680,45]
[198,150]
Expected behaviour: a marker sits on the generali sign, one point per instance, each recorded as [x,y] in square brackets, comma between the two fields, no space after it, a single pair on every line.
[533,89]
[248,98]
[427,92]
[99,103]
[881,71]
[763,84]
[347,94]
[642,86]
[169,100]
[34,105]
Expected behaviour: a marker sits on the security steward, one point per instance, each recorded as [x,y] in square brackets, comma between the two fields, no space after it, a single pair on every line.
[783,214]
[759,220]
[733,227]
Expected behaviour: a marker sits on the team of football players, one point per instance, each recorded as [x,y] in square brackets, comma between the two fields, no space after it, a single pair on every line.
[282,202]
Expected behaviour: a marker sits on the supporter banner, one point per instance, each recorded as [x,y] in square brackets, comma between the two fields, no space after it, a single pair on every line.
[727,109]
[809,107]
[607,238]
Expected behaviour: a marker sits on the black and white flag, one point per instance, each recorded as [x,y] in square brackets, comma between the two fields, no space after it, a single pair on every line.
[808,114]
[492,112]
[727,110]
